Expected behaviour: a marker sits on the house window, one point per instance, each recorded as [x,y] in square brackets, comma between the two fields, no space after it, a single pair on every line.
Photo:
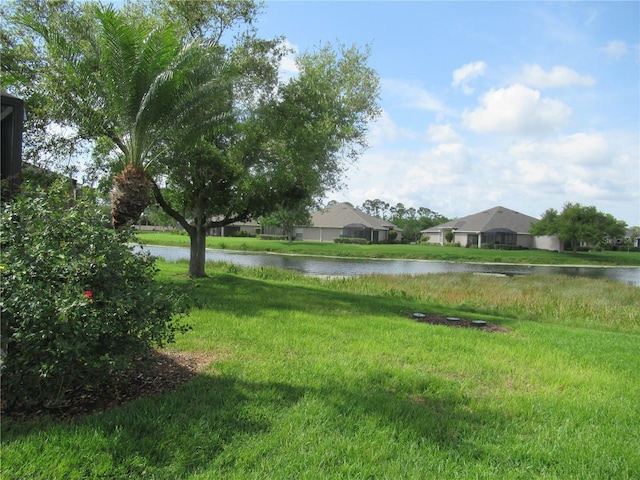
[356,231]
[500,238]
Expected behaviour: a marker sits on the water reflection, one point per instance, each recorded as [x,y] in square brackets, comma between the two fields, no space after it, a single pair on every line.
[350,267]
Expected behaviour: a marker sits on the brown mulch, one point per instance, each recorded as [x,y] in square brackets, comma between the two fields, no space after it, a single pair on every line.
[162,372]
[459,323]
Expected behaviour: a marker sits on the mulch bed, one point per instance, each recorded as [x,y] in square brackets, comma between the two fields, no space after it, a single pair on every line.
[162,372]
[459,323]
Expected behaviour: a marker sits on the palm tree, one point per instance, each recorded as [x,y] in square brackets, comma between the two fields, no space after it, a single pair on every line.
[129,81]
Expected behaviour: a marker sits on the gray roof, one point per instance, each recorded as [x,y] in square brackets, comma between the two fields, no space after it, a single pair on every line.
[495,218]
[340,215]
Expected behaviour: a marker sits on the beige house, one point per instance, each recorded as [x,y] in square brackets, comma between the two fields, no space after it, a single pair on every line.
[343,220]
[496,226]
[340,220]
[250,227]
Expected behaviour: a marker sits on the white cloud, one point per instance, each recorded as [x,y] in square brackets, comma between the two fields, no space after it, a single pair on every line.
[579,188]
[442,134]
[585,168]
[615,49]
[516,110]
[463,75]
[288,67]
[580,148]
[455,179]
[412,95]
[445,164]
[407,173]
[385,129]
[558,76]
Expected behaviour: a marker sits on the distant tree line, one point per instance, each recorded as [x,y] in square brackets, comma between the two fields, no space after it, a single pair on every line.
[409,219]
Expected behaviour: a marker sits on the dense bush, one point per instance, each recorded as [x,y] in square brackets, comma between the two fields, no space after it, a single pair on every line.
[358,241]
[501,246]
[78,305]
[449,236]
[272,237]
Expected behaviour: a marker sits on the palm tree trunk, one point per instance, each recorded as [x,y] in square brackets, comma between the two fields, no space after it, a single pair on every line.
[130,196]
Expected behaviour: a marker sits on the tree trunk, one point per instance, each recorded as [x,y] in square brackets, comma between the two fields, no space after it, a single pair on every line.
[197,234]
[198,237]
[130,196]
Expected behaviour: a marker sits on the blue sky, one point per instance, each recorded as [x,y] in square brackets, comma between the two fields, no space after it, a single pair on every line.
[527,105]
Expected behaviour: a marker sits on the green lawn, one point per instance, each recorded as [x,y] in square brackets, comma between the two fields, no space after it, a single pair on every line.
[327,379]
[424,252]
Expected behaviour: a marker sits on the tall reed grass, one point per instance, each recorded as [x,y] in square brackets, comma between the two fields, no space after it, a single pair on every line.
[558,299]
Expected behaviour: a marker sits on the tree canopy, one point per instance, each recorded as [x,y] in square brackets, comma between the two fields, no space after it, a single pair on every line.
[176,104]
[577,224]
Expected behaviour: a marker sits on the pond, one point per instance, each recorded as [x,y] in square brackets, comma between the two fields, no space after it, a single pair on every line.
[331,266]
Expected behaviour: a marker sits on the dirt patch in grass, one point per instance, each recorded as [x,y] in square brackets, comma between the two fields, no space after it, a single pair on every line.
[455,322]
[161,372]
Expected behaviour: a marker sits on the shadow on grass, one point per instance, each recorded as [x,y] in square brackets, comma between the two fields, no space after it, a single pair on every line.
[206,424]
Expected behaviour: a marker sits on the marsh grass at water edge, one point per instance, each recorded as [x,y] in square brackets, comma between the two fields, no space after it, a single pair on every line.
[316,378]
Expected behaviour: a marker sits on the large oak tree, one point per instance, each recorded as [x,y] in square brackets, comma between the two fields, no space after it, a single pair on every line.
[579,223]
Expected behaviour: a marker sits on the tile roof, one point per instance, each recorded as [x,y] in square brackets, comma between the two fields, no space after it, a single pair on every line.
[496,217]
[340,215]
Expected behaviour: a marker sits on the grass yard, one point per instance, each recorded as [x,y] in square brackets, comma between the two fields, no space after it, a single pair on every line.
[329,379]
[400,251]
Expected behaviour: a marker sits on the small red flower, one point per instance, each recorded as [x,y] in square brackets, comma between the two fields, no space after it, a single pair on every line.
[88,294]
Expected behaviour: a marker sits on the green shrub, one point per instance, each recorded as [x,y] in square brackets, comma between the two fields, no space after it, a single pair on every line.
[501,246]
[272,237]
[508,247]
[357,241]
[78,304]
[451,244]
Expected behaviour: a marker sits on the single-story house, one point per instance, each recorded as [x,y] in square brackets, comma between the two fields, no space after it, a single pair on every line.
[343,220]
[251,227]
[339,220]
[631,238]
[496,226]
